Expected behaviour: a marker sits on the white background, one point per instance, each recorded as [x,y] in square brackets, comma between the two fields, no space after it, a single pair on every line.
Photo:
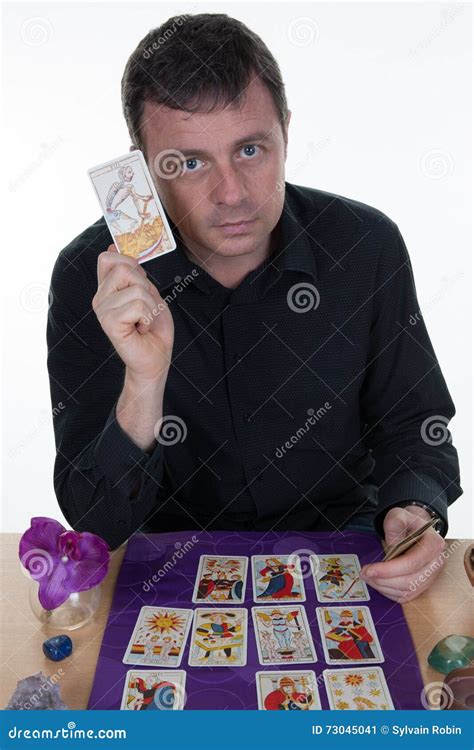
[380,95]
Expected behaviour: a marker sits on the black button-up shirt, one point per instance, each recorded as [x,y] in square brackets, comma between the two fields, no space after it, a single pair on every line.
[305,395]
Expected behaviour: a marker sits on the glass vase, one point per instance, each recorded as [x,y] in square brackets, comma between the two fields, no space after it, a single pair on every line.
[78,609]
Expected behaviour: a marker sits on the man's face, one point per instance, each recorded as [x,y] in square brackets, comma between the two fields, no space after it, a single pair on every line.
[233,171]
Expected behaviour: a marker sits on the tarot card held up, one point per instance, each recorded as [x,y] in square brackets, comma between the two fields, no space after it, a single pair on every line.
[336,578]
[219,638]
[220,579]
[132,208]
[358,689]
[348,635]
[287,691]
[159,637]
[283,635]
[154,690]
[277,579]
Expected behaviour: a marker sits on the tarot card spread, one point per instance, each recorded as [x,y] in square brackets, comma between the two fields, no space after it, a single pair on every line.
[363,689]
[277,579]
[153,690]
[348,635]
[287,691]
[221,579]
[336,578]
[159,637]
[283,635]
[219,638]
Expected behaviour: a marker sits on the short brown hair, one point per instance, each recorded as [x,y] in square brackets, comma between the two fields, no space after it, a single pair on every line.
[197,63]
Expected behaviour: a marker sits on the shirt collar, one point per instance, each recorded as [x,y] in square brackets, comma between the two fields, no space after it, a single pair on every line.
[295,251]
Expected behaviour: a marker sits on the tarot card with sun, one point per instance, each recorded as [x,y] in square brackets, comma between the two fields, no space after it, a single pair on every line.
[159,637]
[359,689]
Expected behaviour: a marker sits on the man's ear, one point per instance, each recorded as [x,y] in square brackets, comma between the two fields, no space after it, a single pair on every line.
[285,135]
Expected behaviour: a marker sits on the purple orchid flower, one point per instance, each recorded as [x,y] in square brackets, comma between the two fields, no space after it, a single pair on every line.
[63,562]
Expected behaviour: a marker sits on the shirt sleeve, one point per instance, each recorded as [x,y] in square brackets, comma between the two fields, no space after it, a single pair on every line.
[103,481]
[405,403]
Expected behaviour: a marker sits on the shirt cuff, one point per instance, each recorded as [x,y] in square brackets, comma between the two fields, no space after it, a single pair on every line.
[119,457]
[404,488]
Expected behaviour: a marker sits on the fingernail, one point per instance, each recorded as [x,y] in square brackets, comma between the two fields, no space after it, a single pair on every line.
[367,572]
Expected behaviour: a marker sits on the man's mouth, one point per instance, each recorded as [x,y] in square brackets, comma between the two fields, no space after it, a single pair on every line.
[236,227]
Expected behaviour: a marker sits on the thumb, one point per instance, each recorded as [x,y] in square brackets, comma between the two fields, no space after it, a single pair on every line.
[112,249]
[395,525]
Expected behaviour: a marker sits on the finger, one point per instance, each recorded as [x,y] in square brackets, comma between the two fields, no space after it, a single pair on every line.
[388,591]
[109,259]
[120,277]
[421,554]
[396,525]
[133,312]
[130,294]
[411,582]
[112,249]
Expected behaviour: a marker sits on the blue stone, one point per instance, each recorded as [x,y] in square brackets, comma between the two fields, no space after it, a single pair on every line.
[58,647]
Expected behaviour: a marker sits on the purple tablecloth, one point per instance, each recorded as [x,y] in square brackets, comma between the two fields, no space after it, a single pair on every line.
[160,569]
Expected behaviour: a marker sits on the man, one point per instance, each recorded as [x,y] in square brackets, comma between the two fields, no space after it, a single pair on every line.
[264,375]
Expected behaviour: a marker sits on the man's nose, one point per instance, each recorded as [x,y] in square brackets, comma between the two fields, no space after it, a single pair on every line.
[228,187]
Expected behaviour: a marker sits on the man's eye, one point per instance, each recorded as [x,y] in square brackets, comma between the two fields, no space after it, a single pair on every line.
[250,150]
[191,165]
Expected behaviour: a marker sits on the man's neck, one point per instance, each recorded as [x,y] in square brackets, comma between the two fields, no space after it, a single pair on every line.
[230,272]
